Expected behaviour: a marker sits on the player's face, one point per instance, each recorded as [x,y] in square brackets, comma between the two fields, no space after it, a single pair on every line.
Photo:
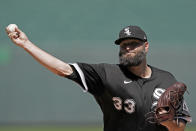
[132,52]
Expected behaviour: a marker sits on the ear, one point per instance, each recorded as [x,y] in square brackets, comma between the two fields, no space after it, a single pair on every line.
[146,46]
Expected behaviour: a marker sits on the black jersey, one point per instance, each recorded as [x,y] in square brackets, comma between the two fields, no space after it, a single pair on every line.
[123,97]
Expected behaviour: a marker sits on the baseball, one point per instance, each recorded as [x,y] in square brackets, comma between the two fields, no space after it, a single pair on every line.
[12,27]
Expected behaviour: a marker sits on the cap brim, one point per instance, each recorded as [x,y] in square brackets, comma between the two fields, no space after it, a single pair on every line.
[117,42]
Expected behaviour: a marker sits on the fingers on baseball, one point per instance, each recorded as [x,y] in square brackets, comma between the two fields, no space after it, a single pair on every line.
[13,35]
[16,31]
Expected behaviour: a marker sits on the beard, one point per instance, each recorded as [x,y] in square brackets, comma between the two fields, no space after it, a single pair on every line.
[131,60]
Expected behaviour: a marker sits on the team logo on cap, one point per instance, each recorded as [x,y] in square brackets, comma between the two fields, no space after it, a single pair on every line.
[127,31]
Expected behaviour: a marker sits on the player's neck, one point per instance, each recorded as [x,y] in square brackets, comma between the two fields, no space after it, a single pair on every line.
[142,70]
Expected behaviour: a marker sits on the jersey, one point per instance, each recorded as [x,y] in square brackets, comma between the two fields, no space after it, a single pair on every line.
[123,97]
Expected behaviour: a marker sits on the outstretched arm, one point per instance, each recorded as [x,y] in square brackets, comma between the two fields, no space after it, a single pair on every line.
[50,62]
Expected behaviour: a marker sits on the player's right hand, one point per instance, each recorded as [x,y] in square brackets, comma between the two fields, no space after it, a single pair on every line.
[18,37]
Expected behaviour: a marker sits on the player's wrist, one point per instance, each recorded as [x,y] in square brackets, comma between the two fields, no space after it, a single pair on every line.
[27,45]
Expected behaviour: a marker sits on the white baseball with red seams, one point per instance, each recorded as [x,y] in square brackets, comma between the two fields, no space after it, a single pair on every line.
[12,27]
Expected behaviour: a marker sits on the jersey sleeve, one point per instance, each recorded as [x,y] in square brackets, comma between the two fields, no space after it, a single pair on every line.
[89,76]
[183,112]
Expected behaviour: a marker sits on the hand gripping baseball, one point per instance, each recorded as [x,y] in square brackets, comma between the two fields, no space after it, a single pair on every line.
[16,35]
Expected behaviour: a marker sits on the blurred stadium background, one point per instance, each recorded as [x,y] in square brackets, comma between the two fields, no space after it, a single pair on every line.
[32,98]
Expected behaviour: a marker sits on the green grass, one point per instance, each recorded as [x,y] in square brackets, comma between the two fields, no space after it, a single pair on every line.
[60,128]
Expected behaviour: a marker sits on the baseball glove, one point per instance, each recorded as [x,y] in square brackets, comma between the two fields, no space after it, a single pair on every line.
[169,102]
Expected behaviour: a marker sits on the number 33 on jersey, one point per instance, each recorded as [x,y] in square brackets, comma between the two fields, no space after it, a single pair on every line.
[128,105]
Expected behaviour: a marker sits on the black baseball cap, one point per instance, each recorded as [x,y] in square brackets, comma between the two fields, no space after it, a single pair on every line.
[132,32]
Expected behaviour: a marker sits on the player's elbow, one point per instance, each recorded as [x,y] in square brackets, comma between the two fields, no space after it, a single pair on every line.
[64,70]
